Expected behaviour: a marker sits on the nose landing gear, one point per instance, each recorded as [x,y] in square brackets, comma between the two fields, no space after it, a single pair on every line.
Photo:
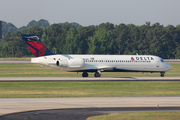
[162,74]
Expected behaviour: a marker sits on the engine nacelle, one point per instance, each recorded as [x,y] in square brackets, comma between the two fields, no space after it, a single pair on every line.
[77,62]
[62,63]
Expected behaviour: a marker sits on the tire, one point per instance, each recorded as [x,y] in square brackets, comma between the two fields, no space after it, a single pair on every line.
[97,74]
[162,75]
[84,74]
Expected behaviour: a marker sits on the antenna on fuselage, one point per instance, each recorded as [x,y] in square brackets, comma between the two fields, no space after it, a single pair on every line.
[136,53]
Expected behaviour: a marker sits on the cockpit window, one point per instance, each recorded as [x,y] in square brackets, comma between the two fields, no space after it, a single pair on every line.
[162,60]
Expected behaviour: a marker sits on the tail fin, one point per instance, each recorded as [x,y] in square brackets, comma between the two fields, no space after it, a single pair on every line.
[36,45]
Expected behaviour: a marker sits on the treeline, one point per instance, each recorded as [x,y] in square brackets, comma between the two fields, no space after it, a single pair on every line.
[9,27]
[105,38]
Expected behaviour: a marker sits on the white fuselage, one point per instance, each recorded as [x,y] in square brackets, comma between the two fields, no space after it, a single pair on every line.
[104,63]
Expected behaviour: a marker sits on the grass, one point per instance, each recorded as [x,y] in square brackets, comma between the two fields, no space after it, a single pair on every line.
[89,89]
[16,58]
[82,89]
[139,116]
[35,70]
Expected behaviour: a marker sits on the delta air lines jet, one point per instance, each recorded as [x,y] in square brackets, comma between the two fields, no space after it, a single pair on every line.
[94,63]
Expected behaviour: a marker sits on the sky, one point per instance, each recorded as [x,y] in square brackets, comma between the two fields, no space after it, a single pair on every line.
[91,12]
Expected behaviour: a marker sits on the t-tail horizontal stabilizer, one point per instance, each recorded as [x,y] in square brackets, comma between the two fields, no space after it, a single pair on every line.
[36,46]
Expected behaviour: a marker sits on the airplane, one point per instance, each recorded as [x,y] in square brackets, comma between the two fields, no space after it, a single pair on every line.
[93,63]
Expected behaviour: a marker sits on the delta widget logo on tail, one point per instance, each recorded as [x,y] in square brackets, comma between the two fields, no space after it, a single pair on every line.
[141,58]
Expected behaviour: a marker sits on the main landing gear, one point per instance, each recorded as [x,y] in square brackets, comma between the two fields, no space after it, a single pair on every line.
[162,74]
[84,74]
[97,74]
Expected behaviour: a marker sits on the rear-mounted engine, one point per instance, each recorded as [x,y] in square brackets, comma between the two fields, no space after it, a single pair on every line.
[78,62]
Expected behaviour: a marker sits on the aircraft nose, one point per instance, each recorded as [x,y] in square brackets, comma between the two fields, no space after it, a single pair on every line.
[169,67]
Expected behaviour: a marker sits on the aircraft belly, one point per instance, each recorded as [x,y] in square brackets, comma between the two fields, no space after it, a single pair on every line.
[85,67]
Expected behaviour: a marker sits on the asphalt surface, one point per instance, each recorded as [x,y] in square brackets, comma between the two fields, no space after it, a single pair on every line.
[79,113]
[82,108]
[16,61]
[16,105]
[84,79]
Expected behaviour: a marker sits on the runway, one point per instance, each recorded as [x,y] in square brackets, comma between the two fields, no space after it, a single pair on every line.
[89,106]
[80,79]
[14,105]
[15,61]
[81,113]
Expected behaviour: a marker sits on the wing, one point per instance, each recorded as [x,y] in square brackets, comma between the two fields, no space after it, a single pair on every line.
[102,68]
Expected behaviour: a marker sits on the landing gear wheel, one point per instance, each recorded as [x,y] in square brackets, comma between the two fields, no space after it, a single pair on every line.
[84,74]
[162,75]
[97,74]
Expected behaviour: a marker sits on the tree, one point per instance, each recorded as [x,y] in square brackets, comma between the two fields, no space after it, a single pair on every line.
[177,52]
[73,43]
[101,39]
[101,42]
[54,38]
[84,33]
[120,35]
